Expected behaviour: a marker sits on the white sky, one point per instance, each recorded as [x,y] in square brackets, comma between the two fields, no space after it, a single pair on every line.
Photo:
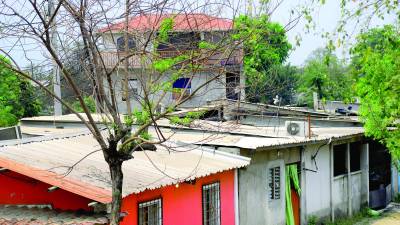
[325,17]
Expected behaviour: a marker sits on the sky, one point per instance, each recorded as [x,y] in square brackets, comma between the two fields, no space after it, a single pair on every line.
[325,17]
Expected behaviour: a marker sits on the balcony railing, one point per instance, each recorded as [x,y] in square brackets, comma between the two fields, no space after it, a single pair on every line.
[208,59]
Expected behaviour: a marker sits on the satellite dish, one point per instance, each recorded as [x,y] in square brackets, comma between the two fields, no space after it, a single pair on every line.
[293,128]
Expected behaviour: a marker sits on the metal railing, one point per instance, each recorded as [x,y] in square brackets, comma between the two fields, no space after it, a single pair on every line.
[206,58]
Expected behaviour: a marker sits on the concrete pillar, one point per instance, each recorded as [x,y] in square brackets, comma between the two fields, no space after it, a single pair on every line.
[331,177]
[303,196]
[236,190]
[364,160]
[394,181]
[315,100]
[349,192]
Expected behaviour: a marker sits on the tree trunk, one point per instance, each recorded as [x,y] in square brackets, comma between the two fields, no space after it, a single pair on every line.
[116,179]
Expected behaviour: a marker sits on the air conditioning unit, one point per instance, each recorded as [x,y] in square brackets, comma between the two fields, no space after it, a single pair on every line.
[296,128]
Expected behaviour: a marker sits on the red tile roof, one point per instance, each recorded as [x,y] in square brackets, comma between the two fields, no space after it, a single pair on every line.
[33,215]
[182,22]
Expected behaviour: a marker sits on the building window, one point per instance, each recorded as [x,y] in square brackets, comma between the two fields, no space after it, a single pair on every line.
[181,87]
[355,156]
[133,87]
[274,183]
[121,43]
[211,204]
[339,159]
[150,212]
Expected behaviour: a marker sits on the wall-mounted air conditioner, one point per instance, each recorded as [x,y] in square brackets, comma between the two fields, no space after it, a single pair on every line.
[296,128]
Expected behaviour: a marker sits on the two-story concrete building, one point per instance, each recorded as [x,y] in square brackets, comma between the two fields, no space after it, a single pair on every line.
[209,74]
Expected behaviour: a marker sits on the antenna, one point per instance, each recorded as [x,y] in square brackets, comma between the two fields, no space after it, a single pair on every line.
[56,70]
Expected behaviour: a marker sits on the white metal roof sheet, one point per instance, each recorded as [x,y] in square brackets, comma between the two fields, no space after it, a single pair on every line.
[171,163]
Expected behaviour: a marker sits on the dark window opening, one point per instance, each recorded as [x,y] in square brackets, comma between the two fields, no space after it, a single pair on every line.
[274,183]
[355,156]
[121,43]
[181,87]
[180,42]
[232,86]
[150,213]
[339,159]
[211,204]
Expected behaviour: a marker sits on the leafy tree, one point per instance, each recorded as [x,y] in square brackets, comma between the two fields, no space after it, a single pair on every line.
[282,82]
[325,74]
[16,96]
[265,46]
[89,101]
[376,63]
[9,96]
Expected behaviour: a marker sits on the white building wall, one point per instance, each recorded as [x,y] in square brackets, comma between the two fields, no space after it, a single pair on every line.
[317,181]
[316,185]
[212,91]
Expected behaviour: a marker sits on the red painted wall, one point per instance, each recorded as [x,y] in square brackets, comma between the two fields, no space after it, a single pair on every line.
[17,189]
[183,205]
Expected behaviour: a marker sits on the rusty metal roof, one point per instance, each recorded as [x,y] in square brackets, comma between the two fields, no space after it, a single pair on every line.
[38,215]
[182,22]
[48,159]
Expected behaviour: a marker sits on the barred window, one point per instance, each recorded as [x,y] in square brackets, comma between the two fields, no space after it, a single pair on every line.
[211,204]
[150,213]
[275,183]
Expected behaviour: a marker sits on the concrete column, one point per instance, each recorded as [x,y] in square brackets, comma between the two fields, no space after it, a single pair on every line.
[349,192]
[364,160]
[394,181]
[315,100]
[331,171]
[303,196]
[236,190]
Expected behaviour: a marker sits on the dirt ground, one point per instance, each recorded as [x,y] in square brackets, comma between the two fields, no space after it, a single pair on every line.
[390,218]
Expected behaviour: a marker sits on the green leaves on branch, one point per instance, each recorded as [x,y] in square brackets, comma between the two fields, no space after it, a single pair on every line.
[376,64]
[17,96]
[265,46]
[325,74]
[187,119]
[89,102]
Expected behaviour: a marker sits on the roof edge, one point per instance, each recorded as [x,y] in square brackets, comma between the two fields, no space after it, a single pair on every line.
[71,185]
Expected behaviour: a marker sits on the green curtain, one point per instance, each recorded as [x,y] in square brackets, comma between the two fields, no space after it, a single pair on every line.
[291,176]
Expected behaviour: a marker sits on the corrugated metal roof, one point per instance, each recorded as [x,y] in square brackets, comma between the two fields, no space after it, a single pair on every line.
[258,138]
[182,22]
[48,160]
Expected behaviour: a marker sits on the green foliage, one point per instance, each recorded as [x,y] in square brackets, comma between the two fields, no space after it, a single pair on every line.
[397,198]
[16,96]
[166,26]
[89,102]
[312,220]
[282,81]
[187,119]
[145,135]
[163,65]
[325,74]
[376,64]
[207,45]
[360,218]
[141,117]
[265,45]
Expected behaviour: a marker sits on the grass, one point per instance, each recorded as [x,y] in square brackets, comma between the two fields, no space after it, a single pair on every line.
[360,218]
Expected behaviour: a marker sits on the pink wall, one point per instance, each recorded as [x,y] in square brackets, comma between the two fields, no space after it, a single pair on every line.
[17,189]
[183,205]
